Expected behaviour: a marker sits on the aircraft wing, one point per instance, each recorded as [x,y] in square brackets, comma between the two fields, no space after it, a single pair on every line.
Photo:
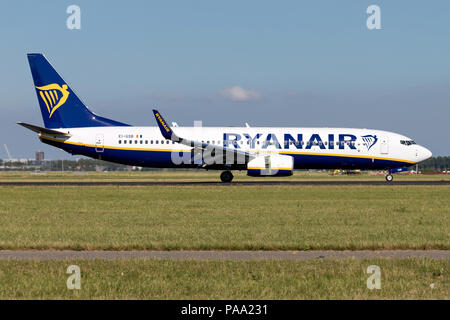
[242,157]
[43,130]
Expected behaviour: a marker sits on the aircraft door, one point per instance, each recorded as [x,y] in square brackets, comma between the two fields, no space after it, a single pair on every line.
[99,142]
[384,145]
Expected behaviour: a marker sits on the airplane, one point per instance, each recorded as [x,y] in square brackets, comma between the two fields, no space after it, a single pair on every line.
[261,151]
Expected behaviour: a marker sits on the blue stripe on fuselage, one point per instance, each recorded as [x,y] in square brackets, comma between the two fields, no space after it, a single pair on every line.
[162,159]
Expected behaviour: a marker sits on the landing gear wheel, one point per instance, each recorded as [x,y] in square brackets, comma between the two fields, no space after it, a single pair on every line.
[389,177]
[226,176]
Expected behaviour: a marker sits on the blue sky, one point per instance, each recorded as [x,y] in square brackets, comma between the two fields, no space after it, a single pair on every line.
[297,63]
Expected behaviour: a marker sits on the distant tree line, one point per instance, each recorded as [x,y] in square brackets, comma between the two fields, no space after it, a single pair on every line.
[435,164]
[83,164]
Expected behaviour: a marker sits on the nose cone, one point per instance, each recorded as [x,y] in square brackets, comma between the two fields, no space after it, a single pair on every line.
[425,154]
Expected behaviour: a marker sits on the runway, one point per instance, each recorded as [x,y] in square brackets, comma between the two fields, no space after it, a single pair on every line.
[220,255]
[216,183]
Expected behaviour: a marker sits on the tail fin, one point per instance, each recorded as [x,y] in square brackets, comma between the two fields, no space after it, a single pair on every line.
[60,106]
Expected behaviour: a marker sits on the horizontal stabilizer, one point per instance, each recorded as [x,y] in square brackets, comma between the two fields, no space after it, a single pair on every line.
[43,130]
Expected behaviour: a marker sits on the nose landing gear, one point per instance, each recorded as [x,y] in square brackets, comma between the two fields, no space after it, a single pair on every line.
[389,177]
[226,176]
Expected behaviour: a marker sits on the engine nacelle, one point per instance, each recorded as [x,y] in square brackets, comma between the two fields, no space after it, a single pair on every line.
[271,165]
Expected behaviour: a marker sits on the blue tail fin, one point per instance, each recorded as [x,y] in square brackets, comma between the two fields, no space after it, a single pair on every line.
[60,106]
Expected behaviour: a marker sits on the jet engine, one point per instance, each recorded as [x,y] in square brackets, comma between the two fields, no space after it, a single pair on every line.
[271,165]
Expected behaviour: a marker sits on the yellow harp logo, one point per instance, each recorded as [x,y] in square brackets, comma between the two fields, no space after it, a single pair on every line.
[54,96]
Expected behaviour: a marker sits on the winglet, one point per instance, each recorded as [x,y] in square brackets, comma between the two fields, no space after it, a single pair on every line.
[163,126]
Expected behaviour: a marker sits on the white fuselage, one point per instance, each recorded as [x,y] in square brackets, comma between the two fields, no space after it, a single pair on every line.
[310,147]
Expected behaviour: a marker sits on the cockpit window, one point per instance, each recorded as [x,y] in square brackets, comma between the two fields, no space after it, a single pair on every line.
[407,142]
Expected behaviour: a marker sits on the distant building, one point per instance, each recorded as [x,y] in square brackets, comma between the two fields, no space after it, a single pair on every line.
[39,155]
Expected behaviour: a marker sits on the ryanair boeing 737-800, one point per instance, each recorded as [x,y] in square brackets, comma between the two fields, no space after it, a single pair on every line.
[262,151]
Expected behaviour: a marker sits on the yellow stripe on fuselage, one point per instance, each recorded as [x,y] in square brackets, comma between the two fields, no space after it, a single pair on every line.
[346,155]
[112,148]
[255,151]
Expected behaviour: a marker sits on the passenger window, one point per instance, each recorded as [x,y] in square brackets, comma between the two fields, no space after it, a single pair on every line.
[131,141]
[156,141]
[124,141]
[120,141]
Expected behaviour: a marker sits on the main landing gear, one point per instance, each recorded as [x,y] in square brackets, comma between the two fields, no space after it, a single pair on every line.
[389,177]
[226,176]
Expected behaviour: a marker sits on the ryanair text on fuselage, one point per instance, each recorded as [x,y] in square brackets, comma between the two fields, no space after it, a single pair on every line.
[315,140]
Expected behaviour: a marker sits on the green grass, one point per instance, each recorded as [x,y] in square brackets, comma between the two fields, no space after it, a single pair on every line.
[168,279]
[225,217]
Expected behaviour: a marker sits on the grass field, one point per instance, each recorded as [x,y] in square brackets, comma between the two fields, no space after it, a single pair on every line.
[166,279]
[237,217]
[225,217]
